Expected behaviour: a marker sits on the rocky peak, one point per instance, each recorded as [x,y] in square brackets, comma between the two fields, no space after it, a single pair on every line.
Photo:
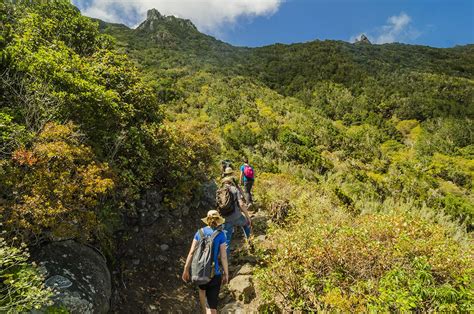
[155,18]
[363,40]
[153,14]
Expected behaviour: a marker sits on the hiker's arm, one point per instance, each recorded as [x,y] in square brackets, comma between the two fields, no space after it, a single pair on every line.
[225,265]
[186,272]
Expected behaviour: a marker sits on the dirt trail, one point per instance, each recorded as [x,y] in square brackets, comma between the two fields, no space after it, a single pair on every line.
[147,278]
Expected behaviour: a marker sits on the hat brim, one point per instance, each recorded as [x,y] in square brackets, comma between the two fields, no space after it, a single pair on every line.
[219,220]
[228,179]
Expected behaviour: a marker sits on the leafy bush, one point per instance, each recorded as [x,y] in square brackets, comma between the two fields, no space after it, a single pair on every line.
[57,185]
[21,285]
[325,259]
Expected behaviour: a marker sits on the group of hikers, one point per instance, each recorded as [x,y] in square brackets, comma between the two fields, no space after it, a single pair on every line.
[211,244]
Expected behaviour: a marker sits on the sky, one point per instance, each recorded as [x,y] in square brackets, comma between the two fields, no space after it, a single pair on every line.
[253,23]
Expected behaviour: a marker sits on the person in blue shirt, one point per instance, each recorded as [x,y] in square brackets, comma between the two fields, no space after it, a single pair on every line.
[247,178]
[209,293]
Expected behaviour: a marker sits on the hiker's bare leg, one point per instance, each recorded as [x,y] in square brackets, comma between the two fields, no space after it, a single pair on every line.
[203,300]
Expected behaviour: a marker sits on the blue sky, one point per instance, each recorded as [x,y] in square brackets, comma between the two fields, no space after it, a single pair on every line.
[261,22]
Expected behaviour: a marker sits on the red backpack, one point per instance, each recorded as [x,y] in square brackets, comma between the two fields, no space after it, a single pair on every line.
[248,172]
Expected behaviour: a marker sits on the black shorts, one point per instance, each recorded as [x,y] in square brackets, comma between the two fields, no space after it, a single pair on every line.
[212,291]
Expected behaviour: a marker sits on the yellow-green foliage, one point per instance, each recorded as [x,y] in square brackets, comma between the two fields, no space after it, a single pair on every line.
[398,260]
[192,148]
[57,185]
[21,285]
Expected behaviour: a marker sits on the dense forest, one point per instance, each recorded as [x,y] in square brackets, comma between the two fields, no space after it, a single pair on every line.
[370,145]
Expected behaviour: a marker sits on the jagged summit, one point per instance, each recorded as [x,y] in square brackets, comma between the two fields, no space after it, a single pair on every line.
[156,21]
[363,40]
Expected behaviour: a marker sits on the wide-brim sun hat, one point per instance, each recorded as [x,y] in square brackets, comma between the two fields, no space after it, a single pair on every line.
[213,215]
[228,171]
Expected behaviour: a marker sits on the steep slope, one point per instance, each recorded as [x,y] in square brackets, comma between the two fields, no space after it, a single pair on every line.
[368,147]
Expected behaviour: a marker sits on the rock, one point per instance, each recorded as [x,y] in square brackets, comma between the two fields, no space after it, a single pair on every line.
[233,308]
[208,196]
[136,261]
[363,40]
[164,247]
[260,238]
[242,288]
[78,273]
[184,210]
[247,269]
[150,204]
[155,19]
[152,307]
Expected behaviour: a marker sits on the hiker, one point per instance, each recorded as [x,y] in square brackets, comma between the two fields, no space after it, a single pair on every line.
[247,178]
[238,215]
[209,292]
[226,163]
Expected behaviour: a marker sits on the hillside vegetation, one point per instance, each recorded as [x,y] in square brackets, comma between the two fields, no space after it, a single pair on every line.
[370,145]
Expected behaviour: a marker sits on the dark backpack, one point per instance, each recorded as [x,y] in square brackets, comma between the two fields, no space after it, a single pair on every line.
[225,201]
[202,265]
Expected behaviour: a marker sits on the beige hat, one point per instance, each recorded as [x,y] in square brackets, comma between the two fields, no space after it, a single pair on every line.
[228,170]
[213,215]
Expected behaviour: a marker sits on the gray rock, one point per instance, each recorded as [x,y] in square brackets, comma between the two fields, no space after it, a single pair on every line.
[242,288]
[164,247]
[233,308]
[136,261]
[78,273]
[247,269]
[149,207]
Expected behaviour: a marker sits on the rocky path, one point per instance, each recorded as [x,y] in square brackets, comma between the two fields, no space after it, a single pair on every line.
[147,276]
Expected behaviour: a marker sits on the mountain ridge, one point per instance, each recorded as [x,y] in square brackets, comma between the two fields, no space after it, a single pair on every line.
[155,15]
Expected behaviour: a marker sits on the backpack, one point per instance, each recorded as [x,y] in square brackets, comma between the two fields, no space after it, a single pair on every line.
[248,172]
[225,201]
[202,265]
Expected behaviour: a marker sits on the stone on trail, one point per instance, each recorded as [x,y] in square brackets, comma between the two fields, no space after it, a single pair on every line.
[233,308]
[247,269]
[242,288]
[164,247]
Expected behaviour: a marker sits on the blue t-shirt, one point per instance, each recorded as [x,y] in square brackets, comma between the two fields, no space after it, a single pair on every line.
[243,175]
[218,240]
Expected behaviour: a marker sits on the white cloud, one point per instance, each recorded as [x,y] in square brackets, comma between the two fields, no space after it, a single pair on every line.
[208,15]
[397,29]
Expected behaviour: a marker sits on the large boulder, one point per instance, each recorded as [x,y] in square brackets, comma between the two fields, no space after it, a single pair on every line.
[78,273]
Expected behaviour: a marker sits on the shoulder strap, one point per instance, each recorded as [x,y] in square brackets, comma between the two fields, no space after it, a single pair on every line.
[201,233]
[215,234]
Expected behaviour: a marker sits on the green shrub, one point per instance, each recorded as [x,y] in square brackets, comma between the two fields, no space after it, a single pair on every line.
[395,260]
[21,285]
